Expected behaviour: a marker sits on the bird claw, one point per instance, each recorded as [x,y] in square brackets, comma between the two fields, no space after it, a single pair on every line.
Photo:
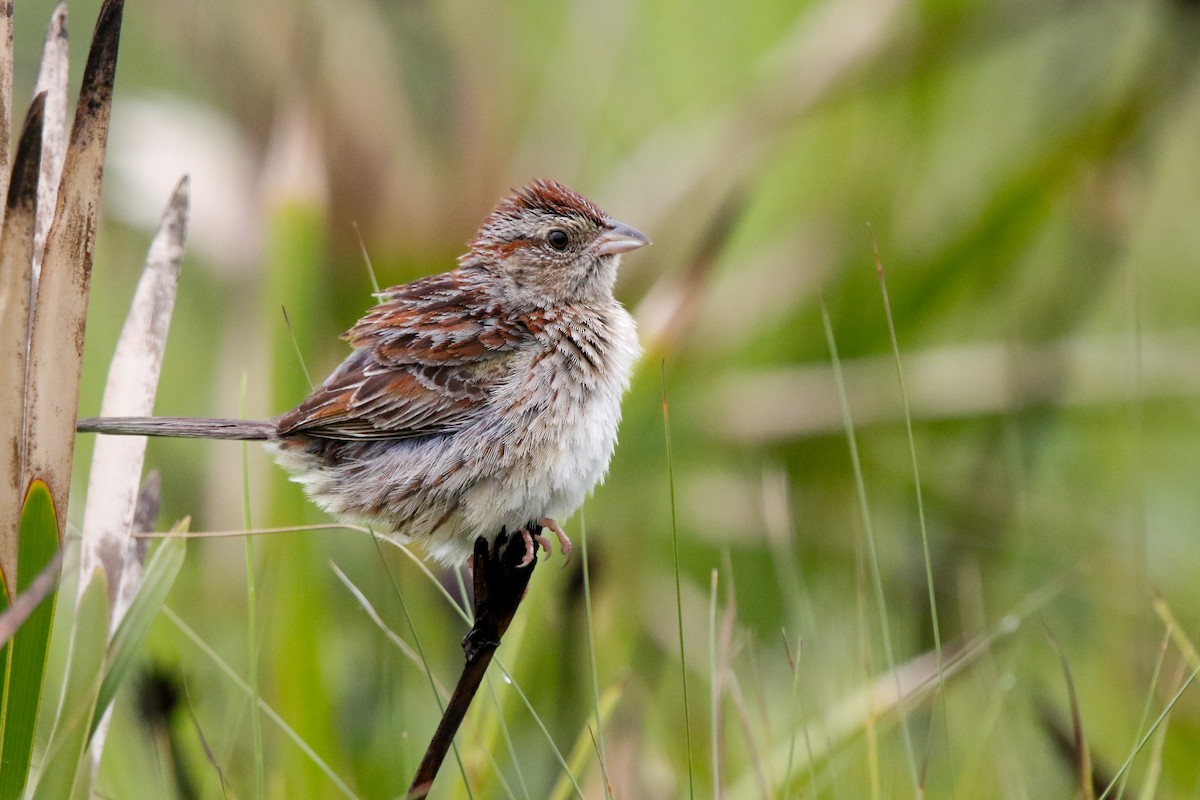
[528,559]
[564,543]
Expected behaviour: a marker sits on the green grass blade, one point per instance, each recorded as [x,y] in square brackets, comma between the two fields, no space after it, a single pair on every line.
[424,660]
[586,744]
[687,717]
[498,707]
[567,772]
[591,643]
[443,692]
[296,251]
[916,472]
[310,754]
[38,543]
[260,774]
[872,553]
[67,760]
[1158,721]
[127,641]
[714,697]
[1147,708]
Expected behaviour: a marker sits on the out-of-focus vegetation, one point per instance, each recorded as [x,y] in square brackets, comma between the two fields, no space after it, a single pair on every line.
[1029,173]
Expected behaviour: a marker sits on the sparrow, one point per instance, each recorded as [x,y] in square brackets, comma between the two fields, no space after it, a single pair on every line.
[476,402]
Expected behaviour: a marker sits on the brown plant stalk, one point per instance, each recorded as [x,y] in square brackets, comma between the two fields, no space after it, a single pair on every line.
[500,584]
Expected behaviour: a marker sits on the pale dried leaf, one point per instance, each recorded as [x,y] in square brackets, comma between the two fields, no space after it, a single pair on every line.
[52,79]
[6,77]
[16,252]
[115,477]
[60,312]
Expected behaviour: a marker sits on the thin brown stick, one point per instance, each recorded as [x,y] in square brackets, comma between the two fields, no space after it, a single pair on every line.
[500,583]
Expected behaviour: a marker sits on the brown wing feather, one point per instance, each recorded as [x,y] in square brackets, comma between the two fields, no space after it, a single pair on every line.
[424,363]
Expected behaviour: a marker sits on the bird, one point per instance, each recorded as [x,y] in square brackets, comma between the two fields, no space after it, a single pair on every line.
[476,402]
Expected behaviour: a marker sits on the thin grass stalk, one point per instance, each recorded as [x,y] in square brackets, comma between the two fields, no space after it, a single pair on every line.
[795,714]
[589,620]
[296,250]
[1083,756]
[405,649]
[585,742]
[916,472]
[408,620]
[872,553]
[781,535]
[244,687]
[28,601]
[870,714]
[454,605]
[850,716]
[412,656]
[1186,647]
[1159,720]
[500,582]
[1149,787]
[562,761]
[687,717]
[463,597]
[714,697]
[466,617]
[742,708]
[1148,706]
[985,729]
[260,772]
[1138,413]
[508,740]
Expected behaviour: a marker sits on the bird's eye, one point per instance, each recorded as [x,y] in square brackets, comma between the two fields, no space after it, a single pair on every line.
[557,239]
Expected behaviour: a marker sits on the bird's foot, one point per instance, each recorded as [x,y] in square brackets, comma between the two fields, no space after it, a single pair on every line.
[530,537]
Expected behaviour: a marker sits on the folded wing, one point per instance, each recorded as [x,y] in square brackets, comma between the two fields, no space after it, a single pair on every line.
[425,362]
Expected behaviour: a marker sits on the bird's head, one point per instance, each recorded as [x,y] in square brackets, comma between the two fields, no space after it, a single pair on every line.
[553,245]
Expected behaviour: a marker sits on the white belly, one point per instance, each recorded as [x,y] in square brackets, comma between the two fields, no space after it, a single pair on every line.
[557,455]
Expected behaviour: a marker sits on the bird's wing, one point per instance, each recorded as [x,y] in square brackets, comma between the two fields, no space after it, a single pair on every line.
[425,362]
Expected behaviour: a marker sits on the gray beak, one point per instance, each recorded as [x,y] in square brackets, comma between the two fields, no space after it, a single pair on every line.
[619,238]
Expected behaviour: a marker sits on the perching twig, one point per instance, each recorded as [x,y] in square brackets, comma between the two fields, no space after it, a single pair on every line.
[499,586]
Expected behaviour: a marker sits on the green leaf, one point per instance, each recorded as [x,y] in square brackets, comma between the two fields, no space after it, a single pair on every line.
[131,633]
[38,541]
[66,754]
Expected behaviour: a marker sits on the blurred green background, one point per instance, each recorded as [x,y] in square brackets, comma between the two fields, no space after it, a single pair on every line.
[1029,173]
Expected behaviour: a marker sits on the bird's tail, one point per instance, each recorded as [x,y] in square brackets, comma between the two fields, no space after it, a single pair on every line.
[182,427]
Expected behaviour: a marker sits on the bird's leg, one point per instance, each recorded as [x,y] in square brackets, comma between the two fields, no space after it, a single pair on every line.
[531,536]
[564,543]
